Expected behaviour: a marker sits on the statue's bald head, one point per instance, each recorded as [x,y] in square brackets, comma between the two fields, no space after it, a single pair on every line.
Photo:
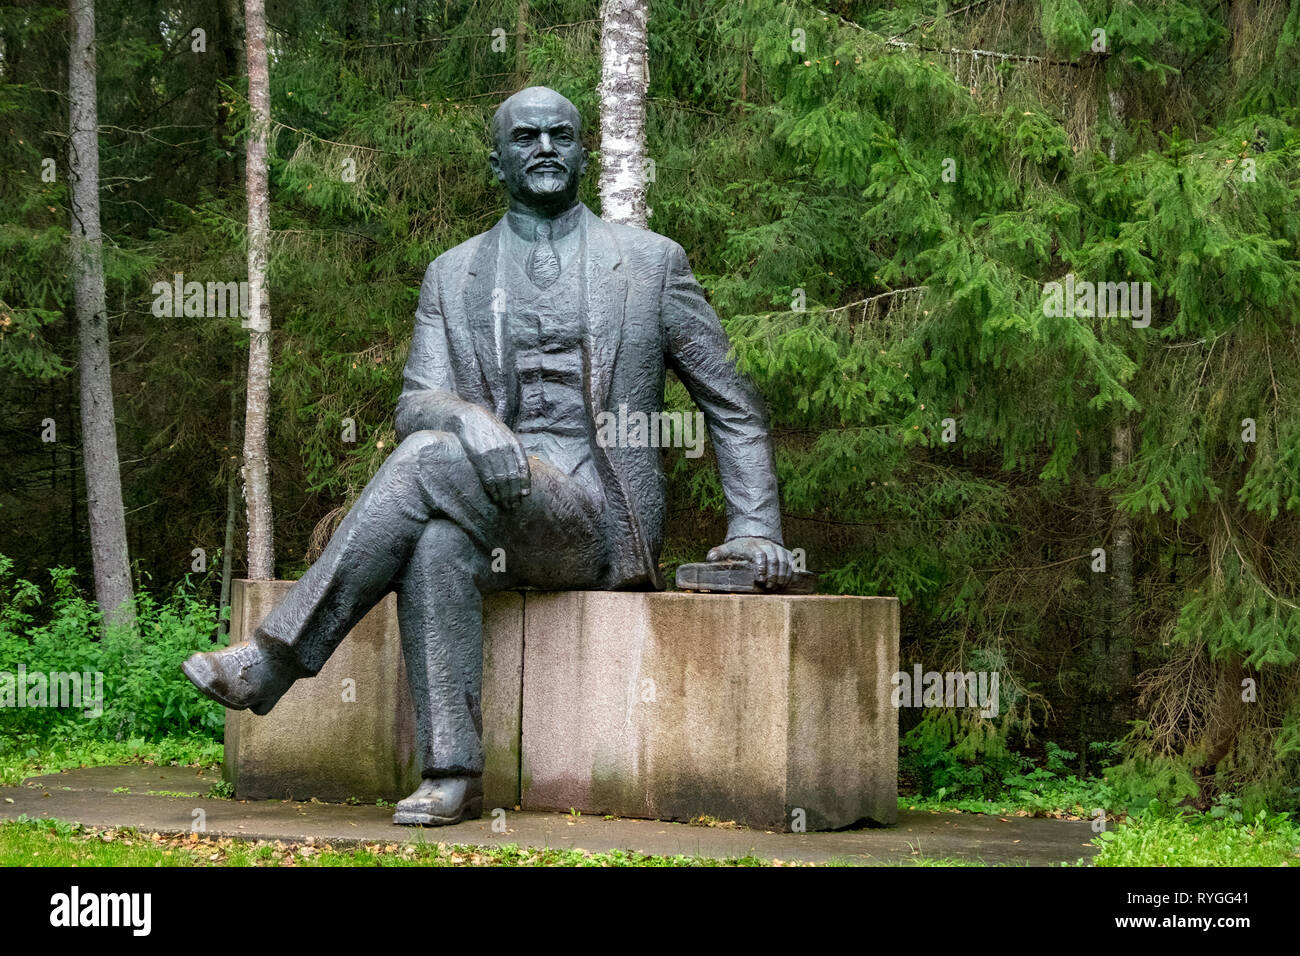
[534,96]
[538,153]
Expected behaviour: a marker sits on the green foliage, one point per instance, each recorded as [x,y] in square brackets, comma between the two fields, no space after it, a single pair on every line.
[875,216]
[1159,837]
[1145,781]
[1051,787]
[979,774]
[954,755]
[22,757]
[221,790]
[145,695]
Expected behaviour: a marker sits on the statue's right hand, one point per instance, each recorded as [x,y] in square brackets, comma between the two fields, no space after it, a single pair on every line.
[497,456]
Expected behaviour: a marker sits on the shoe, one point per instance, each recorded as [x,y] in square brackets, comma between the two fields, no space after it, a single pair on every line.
[441,801]
[241,677]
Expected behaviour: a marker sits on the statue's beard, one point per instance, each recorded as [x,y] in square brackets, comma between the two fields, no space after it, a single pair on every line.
[548,184]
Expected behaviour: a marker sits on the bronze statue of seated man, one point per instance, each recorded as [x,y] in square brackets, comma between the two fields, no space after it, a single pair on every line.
[523,336]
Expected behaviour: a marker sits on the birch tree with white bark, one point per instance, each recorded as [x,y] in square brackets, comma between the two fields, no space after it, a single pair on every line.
[624,80]
[257,466]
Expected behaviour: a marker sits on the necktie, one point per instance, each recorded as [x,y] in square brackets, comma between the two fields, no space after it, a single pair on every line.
[543,263]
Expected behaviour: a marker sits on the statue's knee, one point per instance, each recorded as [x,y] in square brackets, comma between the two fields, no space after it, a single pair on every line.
[428,446]
[444,542]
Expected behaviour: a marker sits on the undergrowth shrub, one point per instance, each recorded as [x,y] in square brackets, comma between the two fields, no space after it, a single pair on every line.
[145,695]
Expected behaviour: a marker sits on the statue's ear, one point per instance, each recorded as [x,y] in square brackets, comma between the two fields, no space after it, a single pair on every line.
[494,160]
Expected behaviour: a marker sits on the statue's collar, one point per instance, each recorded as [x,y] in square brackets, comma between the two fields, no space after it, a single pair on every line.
[524,225]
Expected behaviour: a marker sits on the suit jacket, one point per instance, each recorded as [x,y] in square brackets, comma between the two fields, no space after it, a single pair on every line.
[642,312]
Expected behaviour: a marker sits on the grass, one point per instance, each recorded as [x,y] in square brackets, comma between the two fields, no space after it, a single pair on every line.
[944,861]
[26,842]
[55,843]
[18,761]
[1169,841]
[1157,836]
[1164,839]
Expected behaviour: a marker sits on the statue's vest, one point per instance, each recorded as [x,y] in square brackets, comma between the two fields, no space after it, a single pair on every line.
[543,345]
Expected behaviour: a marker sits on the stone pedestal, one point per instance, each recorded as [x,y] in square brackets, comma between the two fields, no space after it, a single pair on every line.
[349,732]
[770,710]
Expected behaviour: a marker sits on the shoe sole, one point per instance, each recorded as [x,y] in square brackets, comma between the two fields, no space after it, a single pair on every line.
[473,810]
[258,707]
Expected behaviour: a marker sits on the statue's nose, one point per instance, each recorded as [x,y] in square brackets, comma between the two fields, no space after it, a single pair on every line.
[544,144]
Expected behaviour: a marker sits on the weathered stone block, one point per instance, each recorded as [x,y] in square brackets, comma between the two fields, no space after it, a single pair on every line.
[743,707]
[335,741]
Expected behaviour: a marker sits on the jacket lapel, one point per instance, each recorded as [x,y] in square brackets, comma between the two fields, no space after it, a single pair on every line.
[477,335]
[603,308]
[605,294]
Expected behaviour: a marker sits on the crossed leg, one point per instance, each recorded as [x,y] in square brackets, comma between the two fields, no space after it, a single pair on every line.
[425,526]
[554,539]
[428,478]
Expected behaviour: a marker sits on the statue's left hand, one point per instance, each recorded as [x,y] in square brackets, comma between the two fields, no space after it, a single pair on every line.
[773,564]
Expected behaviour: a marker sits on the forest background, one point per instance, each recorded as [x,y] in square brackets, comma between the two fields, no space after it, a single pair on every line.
[875,195]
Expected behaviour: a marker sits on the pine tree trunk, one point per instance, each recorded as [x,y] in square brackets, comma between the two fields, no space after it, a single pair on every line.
[74,520]
[105,512]
[624,79]
[257,468]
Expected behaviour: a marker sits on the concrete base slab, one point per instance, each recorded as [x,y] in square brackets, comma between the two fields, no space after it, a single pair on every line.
[85,796]
[773,711]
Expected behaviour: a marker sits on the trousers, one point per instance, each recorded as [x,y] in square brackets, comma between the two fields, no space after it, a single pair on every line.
[426,527]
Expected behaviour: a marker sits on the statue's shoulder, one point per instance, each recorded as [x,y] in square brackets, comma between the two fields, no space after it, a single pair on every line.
[632,235]
[642,243]
[455,259]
